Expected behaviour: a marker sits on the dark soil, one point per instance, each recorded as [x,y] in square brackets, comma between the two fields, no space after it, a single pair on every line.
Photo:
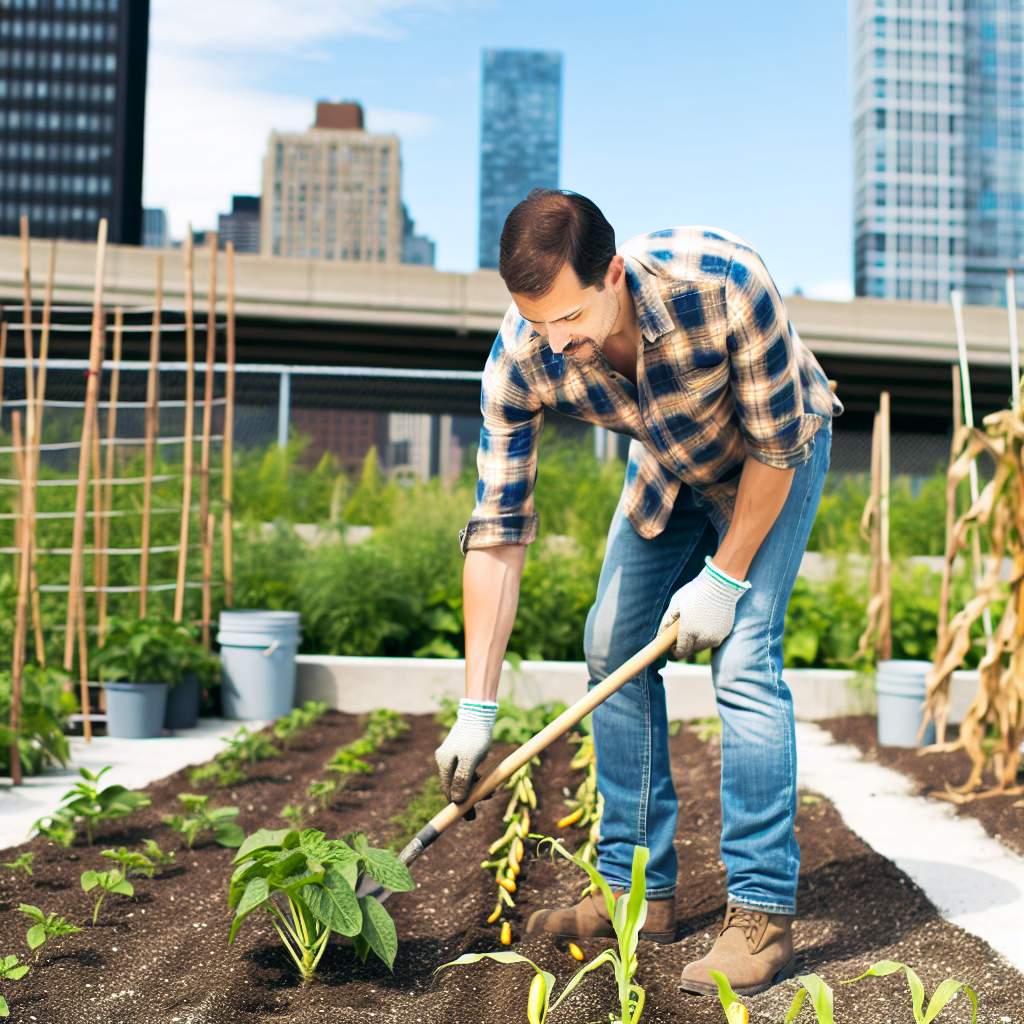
[1001,816]
[163,956]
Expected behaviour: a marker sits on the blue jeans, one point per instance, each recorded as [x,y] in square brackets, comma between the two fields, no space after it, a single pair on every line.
[758,845]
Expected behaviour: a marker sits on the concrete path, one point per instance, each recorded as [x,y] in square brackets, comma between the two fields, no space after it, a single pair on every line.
[136,763]
[974,880]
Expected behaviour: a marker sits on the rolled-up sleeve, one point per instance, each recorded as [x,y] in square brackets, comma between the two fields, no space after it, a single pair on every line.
[764,367]
[507,457]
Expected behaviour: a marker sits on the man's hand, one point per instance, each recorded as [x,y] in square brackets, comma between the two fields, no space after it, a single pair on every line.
[465,746]
[706,609]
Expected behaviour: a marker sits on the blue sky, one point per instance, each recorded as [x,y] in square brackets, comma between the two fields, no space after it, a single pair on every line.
[733,114]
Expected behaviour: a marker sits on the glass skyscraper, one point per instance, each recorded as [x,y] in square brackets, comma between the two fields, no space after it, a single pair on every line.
[938,144]
[72,108]
[520,135]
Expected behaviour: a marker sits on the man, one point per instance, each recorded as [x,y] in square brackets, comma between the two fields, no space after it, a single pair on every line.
[681,340]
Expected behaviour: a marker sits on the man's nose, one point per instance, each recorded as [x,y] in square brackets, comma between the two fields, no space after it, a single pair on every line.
[558,338]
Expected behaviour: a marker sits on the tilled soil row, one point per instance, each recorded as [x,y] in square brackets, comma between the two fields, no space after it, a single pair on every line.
[163,957]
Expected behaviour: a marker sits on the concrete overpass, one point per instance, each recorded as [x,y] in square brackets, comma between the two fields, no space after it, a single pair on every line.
[308,313]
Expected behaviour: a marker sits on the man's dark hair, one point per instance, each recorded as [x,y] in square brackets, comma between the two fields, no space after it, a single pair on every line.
[547,229]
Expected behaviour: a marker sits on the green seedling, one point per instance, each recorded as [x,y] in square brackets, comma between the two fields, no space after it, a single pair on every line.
[286,728]
[420,809]
[108,882]
[221,771]
[322,791]
[627,914]
[822,1000]
[57,828]
[735,1011]
[88,805]
[23,862]
[219,821]
[945,992]
[10,970]
[384,725]
[131,861]
[306,884]
[246,746]
[47,926]
[160,859]
[345,763]
[297,814]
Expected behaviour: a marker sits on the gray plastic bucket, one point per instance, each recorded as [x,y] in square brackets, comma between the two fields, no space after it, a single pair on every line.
[183,703]
[257,651]
[135,711]
[901,689]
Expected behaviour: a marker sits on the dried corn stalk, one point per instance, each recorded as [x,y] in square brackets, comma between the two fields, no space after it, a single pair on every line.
[999,701]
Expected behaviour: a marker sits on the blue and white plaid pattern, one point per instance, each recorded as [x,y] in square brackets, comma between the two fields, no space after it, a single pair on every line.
[722,374]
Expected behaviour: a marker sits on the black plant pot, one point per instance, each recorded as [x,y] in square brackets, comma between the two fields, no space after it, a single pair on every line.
[183,703]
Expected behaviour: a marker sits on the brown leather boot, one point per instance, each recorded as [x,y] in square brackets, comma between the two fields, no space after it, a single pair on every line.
[753,950]
[589,919]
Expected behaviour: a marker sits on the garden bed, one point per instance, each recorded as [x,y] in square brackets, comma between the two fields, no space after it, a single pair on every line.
[163,956]
[1002,817]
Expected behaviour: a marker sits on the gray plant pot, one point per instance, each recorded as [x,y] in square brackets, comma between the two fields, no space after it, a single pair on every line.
[183,703]
[135,711]
[901,691]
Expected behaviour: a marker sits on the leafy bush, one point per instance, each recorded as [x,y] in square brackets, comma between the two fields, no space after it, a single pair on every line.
[151,650]
[45,707]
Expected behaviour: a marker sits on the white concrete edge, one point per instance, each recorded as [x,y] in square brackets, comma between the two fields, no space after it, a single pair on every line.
[135,764]
[974,880]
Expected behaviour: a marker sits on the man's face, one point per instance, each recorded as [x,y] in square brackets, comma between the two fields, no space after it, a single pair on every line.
[571,315]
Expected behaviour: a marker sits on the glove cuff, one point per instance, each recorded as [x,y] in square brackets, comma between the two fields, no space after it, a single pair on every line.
[723,577]
[478,712]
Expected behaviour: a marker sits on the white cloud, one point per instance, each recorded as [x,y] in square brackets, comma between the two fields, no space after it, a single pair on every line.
[837,290]
[209,111]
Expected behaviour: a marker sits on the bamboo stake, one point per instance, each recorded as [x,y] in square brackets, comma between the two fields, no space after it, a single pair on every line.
[186,489]
[227,448]
[76,603]
[885,576]
[947,578]
[869,529]
[24,562]
[151,425]
[106,503]
[965,379]
[44,352]
[204,465]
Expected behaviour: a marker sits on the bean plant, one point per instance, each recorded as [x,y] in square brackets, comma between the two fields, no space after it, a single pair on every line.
[289,726]
[131,861]
[10,970]
[159,857]
[627,914]
[198,818]
[45,926]
[88,806]
[306,884]
[109,883]
[23,862]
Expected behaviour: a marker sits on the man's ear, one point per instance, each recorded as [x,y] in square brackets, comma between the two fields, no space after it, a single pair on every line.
[615,272]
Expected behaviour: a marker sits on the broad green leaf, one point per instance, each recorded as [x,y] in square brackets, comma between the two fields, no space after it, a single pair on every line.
[4,1011]
[346,861]
[123,888]
[944,994]
[379,930]
[36,936]
[256,893]
[229,834]
[387,869]
[259,840]
[90,879]
[334,904]
[34,912]
[315,844]
[17,973]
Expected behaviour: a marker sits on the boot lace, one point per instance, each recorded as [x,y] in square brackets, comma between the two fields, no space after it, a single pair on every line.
[748,921]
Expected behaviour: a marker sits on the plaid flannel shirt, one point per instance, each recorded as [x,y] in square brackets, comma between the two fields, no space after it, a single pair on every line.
[722,373]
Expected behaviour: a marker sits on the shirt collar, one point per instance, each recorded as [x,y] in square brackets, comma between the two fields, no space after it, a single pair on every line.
[652,315]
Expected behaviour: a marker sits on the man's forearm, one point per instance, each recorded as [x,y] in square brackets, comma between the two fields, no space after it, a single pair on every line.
[762,493]
[490,596]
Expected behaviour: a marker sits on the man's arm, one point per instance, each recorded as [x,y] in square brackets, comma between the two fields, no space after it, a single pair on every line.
[763,490]
[490,596]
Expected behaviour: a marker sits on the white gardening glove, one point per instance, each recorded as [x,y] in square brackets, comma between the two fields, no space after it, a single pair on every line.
[464,747]
[706,609]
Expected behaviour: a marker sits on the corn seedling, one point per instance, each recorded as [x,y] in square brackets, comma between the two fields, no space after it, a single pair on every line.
[131,861]
[10,970]
[735,1012]
[306,884]
[23,862]
[627,913]
[45,926]
[945,992]
[822,1000]
[220,821]
[159,858]
[109,883]
[88,806]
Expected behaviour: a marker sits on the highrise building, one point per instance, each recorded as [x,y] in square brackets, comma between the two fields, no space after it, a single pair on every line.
[154,228]
[938,142]
[520,129]
[241,225]
[416,249]
[333,192]
[72,110]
